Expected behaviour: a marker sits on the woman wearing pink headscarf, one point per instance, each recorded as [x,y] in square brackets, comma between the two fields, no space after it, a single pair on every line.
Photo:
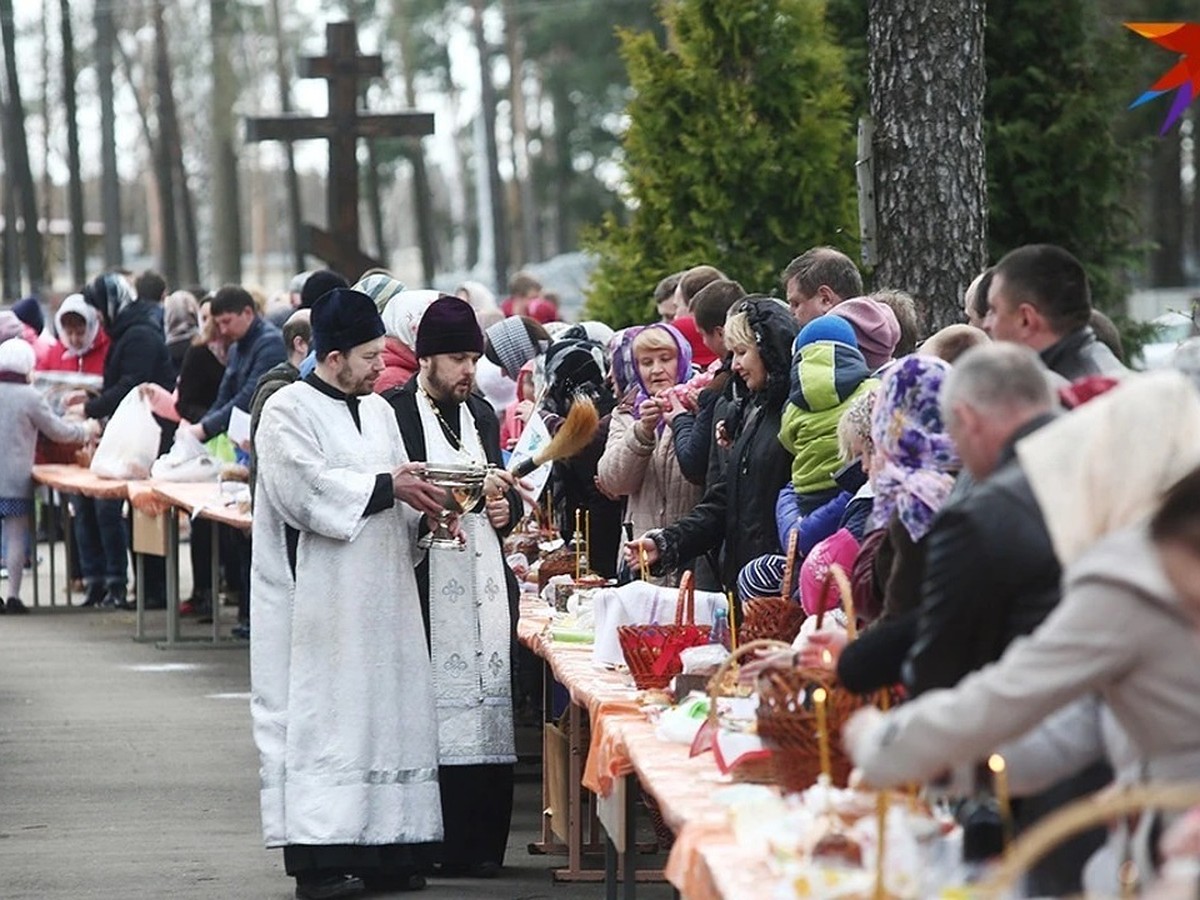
[639,458]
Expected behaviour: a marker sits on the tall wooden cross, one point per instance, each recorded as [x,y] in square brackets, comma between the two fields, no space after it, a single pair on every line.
[342,67]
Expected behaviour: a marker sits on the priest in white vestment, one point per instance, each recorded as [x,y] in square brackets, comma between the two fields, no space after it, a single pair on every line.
[469,597]
[341,686]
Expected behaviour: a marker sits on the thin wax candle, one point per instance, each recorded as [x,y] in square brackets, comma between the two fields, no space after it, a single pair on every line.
[819,698]
[1003,800]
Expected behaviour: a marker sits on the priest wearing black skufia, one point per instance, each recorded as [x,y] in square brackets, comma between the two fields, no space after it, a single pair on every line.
[468,597]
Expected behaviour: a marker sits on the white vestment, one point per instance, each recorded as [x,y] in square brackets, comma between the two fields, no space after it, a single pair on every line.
[341,687]
[469,622]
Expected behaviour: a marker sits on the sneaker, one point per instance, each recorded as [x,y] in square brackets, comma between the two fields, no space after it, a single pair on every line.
[196,606]
[114,597]
[242,632]
[15,606]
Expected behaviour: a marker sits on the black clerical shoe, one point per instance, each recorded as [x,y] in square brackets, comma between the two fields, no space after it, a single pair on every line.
[469,870]
[397,882]
[330,888]
[14,605]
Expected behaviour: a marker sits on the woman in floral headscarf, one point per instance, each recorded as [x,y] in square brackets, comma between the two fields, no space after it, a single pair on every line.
[639,458]
[913,468]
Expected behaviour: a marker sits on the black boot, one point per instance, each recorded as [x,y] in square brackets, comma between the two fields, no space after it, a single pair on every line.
[14,605]
[94,595]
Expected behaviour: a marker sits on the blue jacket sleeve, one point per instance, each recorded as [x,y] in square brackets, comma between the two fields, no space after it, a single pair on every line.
[813,528]
[854,518]
[692,433]
[238,384]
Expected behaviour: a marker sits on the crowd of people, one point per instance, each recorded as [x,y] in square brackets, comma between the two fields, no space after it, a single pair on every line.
[1018,513]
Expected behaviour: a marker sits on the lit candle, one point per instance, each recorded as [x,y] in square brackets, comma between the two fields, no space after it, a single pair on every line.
[819,696]
[733,640]
[578,543]
[587,536]
[881,811]
[1000,787]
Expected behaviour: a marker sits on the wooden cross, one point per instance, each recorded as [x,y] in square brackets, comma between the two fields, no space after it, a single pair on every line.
[342,67]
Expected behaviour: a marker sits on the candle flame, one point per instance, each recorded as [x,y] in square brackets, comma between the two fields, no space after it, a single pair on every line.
[996,763]
[819,695]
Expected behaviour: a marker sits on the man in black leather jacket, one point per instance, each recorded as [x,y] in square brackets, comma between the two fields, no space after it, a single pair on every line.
[1039,296]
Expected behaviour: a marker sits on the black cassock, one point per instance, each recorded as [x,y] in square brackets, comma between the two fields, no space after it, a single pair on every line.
[476,799]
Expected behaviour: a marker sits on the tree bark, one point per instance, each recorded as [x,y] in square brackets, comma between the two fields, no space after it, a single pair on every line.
[168,220]
[226,210]
[293,182]
[18,173]
[110,183]
[926,77]
[11,275]
[1166,214]
[487,98]
[77,245]
[422,198]
[525,207]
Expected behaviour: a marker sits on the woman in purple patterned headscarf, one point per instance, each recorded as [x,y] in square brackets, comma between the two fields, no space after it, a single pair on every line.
[913,464]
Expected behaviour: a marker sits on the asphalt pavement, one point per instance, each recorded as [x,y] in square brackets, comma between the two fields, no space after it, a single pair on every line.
[129,771]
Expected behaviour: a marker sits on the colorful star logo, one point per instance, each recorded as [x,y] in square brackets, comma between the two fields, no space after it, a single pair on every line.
[1182,38]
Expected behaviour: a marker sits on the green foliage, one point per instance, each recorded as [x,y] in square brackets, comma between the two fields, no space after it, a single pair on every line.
[739,150]
[1057,172]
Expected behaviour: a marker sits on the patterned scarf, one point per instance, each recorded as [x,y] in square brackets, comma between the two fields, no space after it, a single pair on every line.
[916,460]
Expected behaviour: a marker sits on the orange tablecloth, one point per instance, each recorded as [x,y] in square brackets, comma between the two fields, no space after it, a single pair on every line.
[202,499]
[78,480]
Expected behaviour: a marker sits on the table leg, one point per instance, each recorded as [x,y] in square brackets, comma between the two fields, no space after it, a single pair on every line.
[610,869]
[629,867]
[215,573]
[172,576]
[139,570]
[575,791]
[64,515]
[51,543]
[33,529]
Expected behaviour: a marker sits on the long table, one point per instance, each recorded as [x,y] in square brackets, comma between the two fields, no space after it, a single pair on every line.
[73,479]
[203,500]
[625,757]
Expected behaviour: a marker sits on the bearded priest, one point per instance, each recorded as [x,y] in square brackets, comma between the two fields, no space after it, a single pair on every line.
[469,596]
[341,688]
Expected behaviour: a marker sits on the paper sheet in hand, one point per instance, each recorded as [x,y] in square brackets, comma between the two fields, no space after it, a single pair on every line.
[239,426]
[533,438]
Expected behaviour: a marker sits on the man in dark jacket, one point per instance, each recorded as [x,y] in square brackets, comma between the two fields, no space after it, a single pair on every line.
[255,345]
[1039,296]
[137,355]
[991,574]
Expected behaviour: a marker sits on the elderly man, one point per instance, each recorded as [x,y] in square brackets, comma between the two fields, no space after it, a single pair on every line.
[818,280]
[341,688]
[1039,296]
[469,599]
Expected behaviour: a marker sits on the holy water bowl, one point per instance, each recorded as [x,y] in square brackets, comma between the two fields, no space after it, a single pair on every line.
[463,485]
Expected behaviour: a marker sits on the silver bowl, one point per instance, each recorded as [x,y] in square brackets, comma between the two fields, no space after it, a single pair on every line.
[463,485]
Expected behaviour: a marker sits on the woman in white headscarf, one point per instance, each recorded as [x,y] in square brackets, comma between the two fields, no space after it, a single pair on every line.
[400,319]
[82,343]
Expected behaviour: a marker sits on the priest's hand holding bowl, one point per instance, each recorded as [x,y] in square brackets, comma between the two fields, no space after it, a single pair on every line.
[409,486]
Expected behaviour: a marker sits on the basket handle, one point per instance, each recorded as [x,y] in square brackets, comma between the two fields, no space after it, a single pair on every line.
[714,683]
[789,566]
[847,592]
[687,595]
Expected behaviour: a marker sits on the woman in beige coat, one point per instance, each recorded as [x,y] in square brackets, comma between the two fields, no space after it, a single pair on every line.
[639,458]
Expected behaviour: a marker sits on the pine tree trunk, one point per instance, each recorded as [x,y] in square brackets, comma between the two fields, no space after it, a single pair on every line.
[525,208]
[168,221]
[487,98]
[564,121]
[10,277]
[422,198]
[226,215]
[16,165]
[926,76]
[110,184]
[1166,216]
[78,247]
[293,182]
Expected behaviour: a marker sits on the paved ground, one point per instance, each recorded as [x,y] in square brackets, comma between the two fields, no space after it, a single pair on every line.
[127,771]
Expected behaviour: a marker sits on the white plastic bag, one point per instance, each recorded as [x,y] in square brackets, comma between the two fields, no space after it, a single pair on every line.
[129,445]
[187,461]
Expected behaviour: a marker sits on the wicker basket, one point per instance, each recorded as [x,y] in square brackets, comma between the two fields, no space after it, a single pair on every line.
[774,618]
[652,651]
[788,721]
[724,684]
[1084,813]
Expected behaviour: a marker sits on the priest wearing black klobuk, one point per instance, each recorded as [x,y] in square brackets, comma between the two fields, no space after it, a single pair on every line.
[342,692]
[468,597]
